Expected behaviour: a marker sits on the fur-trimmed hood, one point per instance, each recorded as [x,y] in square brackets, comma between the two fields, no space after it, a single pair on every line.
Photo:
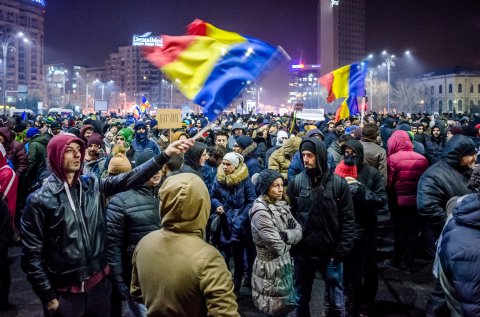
[238,176]
[249,150]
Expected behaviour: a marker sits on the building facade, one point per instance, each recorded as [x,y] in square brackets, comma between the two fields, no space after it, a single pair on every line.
[303,85]
[451,90]
[22,37]
[341,33]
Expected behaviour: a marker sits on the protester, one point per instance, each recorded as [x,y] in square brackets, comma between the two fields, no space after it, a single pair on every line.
[175,272]
[322,204]
[130,216]
[233,195]
[274,231]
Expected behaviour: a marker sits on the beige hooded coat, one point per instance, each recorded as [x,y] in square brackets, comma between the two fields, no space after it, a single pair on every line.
[175,272]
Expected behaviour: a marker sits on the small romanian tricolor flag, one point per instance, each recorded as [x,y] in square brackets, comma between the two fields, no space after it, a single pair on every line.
[211,66]
[346,81]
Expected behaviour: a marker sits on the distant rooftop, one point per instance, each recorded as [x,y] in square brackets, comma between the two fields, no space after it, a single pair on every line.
[451,71]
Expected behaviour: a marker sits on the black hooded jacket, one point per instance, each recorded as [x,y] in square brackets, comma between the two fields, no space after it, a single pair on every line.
[375,194]
[191,159]
[444,180]
[386,130]
[322,204]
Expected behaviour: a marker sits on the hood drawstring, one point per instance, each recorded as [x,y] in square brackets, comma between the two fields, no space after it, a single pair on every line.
[70,200]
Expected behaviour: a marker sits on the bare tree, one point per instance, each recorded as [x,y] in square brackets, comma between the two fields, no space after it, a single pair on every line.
[380,95]
[407,96]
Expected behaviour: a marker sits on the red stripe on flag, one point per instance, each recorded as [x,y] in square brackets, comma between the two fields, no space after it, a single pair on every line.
[327,82]
[197,27]
[172,47]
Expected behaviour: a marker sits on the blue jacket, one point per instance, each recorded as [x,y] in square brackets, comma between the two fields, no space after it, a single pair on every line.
[209,172]
[236,194]
[251,155]
[460,254]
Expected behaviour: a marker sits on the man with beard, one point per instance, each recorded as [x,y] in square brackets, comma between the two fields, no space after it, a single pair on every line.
[94,160]
[435,145]
[322,204]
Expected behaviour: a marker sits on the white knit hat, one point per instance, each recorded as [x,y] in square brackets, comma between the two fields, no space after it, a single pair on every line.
[234,158]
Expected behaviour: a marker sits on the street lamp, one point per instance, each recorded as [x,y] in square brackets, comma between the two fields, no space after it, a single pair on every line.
[371,72]
[6,43]
[389,63]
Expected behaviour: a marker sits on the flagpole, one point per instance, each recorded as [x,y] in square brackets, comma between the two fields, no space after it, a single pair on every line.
[363,112]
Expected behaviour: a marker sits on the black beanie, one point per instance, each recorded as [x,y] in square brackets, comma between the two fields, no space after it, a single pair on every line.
[308,146]
[265,179]
[143,157]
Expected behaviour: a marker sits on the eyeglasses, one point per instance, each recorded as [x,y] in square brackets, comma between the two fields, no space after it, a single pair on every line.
[236,145]
[120,139]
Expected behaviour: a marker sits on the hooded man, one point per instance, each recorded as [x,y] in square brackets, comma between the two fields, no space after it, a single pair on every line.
[322,204]
[435,145]
[386,130]
[194,159]
[375,198]
[37,159]
[175,272]
[238,130]
[16,153]
[142,143]
[64,229]
[445,179]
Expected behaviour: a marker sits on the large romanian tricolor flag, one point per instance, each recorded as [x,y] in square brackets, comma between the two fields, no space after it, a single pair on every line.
[211,66]
[346,81]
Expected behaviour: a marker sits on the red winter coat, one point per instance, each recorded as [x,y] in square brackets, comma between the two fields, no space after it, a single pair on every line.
[15,151]
[8,185]
[404,168]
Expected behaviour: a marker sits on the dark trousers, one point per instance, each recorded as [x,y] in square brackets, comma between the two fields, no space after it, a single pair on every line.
[4,277]
[93,303]
[354,275]
[243,258]
[304,270]
[370,282]
[432,233]
[406,233]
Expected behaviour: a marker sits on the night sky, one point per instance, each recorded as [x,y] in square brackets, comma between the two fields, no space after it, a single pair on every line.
[440,33]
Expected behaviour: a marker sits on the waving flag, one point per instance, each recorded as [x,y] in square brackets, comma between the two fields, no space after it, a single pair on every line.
[136,112]
[348,108]
[145,104]
[211,66]
[346,81]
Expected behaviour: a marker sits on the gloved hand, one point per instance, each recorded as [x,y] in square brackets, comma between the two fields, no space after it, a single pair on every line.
[284,236]
[291,223]
[120,288]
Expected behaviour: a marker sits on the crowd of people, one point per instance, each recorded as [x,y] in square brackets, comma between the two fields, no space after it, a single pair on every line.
[112,210]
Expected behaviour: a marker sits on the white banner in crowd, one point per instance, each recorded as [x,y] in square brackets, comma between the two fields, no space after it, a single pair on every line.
[311,114]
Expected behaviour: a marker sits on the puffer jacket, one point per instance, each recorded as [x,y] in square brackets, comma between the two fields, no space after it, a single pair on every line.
[323,207]
[404,169]
[272,275]
[251,156]
[130,216]
[460,256]
[444,180]
[280,159]
[209,173]
[236,193]
[15,152]
[62,248]
[37,159]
